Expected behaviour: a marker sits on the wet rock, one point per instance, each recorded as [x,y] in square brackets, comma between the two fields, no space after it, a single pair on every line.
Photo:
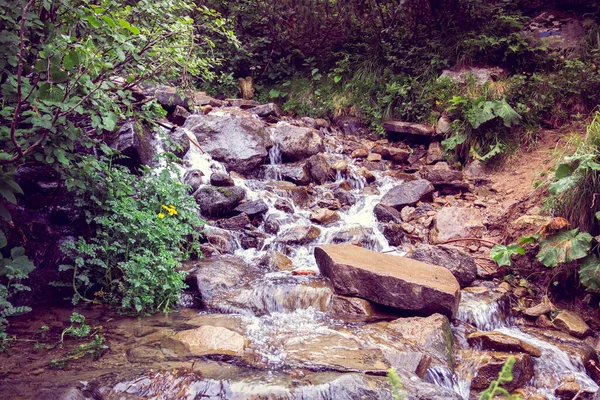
[266,110]
[279,261]
[238,141]
[389,280]
[179,115]
[492,364]
[461,264]
[218,274]
[572,323]
[349,386]
[296,173]
[385,213]
[543,322]
[334,351]
[365,173]
[374,157]
[407,194]
[221,180]
[324,216]
[220,239]
[349,125]
[319,169]
[399,156]
[136,142]
[356,235]
[207,340]
[359,153]
[298,194]
[343,307]
[284,205]
[296,143]
[218,201]
[329,202]
[236,223]
[456,222]
[252,208]
[299,235]
[340,166]
[194,178]
[567,391]
[501,342]
[576,348]
[253,240]
[144,355]
[394,233]
[344,197]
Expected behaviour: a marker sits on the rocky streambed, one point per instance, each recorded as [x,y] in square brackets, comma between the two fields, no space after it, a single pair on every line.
[324,267]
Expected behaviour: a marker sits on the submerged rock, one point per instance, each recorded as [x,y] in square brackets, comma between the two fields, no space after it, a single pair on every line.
[207,340]
[389,280]
[461,264]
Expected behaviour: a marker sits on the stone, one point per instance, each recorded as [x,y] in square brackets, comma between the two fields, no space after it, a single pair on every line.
[344,197]
[194,178]
[340,166]
[244,104]
[408,128]
[385,213]
[296,143]
[211,340]
[520,291]
[280,261]
[266,110]
[218,201]
[408,228]
[324,216]
[437,175]
[459,263]
[236,140]
[220,239]
[299,235]
[136,142]
[216,276]
[201,99]
[567,391]
[399,156]
[500,342]
[407,194]
[389,280]
[537,310]
[344,307]
[374,157]
[236,223]
[349,125]
[491,365]
[252,208]
[319,169]
[443,126]
[284,205]
[360,153]
[435,152]
[329,201]
[543,322]
[457,223]
[572,323]
[297,194]
[179,115]
[476,170]
[144,355]
[221,180]
[368,175]
[408,214]
[394,233]
[482,75]
[295,173]
[168,98]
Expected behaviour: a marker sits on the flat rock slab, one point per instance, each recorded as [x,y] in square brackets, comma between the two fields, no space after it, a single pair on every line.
[389,280]
[500,342]
[210,340]
[409,127]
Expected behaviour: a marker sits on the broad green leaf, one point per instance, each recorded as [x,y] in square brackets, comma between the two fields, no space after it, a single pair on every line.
[481,113]
[8,194]
[563,185]
[598,215]
[109,21]
[496,150]
[58,75]
[503,110]
[563,171]
[589,272]
[501,254]
[5,214]
[3,241]
[564,247]
[93,21]
[337,78]
[453,141]
[529,239]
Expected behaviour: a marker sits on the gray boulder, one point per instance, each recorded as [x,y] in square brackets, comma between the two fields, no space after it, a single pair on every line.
[236,140]
[296,143]
[407,194]
[218,201]
[458,262]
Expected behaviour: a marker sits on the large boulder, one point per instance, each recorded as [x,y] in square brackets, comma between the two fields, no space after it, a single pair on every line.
[217,201]
[389,280]
[235,139]
[134,141]
[461,264]
[319,169]
[407,194]
[457,223]
[295,142]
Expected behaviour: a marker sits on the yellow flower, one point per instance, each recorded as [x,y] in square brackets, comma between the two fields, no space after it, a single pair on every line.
[438,102]
[170,209]
[161,215]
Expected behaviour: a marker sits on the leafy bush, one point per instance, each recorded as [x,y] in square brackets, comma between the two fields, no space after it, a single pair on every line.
[143,228]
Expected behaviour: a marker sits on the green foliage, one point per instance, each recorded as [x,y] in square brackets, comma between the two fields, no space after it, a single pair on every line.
[78,327]
[395,385]
[589,272]
[482,111]
[144,228]
[501,254]
[80,330]
[496,388]
[564,247]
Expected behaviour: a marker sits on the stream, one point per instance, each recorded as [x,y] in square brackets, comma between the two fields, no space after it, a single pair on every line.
[297,338]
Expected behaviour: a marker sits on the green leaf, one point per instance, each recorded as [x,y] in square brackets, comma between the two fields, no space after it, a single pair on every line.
[481,113]
[453,141]
[503,110]
[501,254]
[93,21]
[5,214]
[529,239]
[109,21]
[8,194]
[563,185]
[3,241]
[598,215]
[337,78]
[126,25]
[589,272]
[58,75]
[564,247]
[563,171]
